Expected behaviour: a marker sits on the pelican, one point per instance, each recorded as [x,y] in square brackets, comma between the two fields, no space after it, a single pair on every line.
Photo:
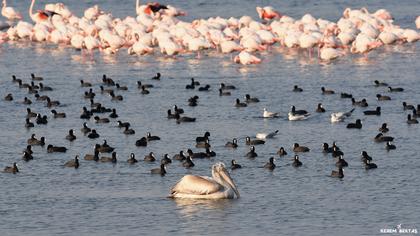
[220,186]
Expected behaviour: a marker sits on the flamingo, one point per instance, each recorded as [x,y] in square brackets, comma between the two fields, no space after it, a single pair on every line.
[328,54]
[268,13]
[363,44]
[245,58]
[40,16]
[10,13]
[219,186]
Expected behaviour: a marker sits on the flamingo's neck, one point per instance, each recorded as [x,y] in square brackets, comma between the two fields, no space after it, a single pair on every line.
[31,8]
[137,4]
[4,4]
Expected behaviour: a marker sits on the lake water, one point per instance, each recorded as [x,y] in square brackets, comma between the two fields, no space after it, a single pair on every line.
[104,199]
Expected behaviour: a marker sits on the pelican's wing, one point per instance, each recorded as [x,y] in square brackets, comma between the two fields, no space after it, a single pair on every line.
[199,185]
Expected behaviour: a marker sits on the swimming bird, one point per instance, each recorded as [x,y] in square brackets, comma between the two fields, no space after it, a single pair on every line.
[249,99]
[44,88]
[233,144]
[28,123]
[11,169]
[295,115]
[112,159]
[357,125]
[165,160]
[123,124]
[384,128]
[51,148]
[281,152]
[73,163]
[341,162]
[85,129]
[141,142]
[156,77]
[369,165]
[85,84]
[140,85]
[408,106]
[220,186]
[381,138]
[150,157]
[119,87]
[30,113]
[267,135]
[51,103]
[71,136]
[204,89]
[115,97]
[204,144]
[128,131]
[379,84]
[161,170]
[390,146]
[26,101]
[296,162]
[391,89]
[248,141]
[37,78]
[224,93]
[383,98]
[8,97]
[364,156]
[238,103]
[144,90]
[270,164]
[297,89]
[223,86]
[361,103]
[94,157]
[203,138]
[33,141]
[376,112]
[184,119]
[411,120]
[235,165]
[180,156]
[93,134]
[101,120]
[188,163]
[327,91]
[58,115]
[338,174]
[41,120]
[326,148]
[346,95]
[132,159]
[27,156]
[151,137]
[320,108]
[298,148]
[251,153]
[113,114]
[268,114]
[336,152]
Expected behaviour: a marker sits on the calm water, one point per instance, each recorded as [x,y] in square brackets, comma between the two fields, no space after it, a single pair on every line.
[105,199]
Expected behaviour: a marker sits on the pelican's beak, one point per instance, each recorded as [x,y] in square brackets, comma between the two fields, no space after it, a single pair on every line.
[225,175]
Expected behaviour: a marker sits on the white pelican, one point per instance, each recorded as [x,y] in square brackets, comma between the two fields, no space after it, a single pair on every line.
[220,186]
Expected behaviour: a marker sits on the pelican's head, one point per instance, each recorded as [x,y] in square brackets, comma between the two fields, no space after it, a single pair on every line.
[219,172]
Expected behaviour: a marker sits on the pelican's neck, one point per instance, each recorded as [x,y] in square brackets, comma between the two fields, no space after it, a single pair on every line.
[31,8]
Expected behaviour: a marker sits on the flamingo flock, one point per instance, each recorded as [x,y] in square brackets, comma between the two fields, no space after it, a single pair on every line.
[157,28]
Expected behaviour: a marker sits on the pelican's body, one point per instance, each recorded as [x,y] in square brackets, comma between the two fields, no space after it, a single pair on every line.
[219,186]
